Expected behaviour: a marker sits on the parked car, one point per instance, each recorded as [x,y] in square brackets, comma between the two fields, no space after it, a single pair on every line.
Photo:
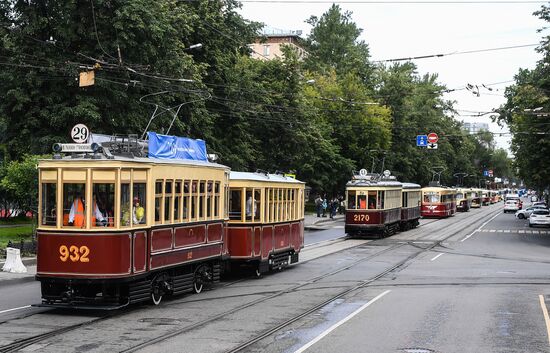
[511,206]
[522,214]
[539,217]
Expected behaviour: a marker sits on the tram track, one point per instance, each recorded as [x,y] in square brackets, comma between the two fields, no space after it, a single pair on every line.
[20,344]
[359,285]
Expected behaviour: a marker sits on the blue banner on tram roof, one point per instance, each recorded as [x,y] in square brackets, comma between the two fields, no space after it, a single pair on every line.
[173,147]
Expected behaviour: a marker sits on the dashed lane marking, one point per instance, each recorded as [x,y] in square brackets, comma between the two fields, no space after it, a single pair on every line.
[519,231]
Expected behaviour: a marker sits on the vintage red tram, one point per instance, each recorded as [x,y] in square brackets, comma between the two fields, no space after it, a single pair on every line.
[463,200]
[410,209]
[438,201]
[373,204]
[266,220]
[117,229]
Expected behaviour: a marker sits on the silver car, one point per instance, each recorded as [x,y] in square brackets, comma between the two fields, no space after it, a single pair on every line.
[522,214]
[539,218]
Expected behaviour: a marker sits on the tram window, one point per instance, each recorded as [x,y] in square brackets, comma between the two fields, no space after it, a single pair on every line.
[74,205]
[194,200]
[185,200]
[177,200]
[362,201]
[372,200]
[404,201]
[235,207]
[158,199]
[167,200]
[48,207]
[125,205]
[351,200]
[257,204]
[217,199]
[431,197]
[201,199]
[381,197]
[209,190]
[140,203]
[250,207]
[103,205]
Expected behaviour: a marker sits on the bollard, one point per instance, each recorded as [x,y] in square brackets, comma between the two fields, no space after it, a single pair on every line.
[13,261]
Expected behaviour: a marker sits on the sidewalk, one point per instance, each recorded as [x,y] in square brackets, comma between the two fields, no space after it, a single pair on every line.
[14,278]
[311,221]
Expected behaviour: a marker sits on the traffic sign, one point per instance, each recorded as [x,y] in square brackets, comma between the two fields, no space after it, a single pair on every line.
[432,137]
[486,173]
[432,146]
[421,140]
[490,172]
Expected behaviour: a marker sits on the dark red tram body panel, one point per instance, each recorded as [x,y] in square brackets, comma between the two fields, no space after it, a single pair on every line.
[260,242]
[438,210]
[126,253]
[410,214]
[365,221]
[113,262]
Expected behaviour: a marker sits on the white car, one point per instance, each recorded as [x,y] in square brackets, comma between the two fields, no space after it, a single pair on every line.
[522,214]
[539,218]
[511,206]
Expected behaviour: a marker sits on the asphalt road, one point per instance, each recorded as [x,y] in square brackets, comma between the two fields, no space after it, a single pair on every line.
[470,283]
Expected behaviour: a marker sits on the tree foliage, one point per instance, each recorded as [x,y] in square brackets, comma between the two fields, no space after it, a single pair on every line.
[255,114]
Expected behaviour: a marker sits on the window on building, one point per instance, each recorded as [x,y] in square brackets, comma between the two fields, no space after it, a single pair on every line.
[266,50]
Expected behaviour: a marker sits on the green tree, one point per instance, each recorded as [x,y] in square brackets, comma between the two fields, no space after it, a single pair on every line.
[334,45]
[20,183]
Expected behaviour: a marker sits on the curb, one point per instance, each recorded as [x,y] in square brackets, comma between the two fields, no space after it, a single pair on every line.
[18,280]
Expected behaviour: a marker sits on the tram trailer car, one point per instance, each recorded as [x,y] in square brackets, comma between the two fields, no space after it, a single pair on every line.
[374,205]
[410,208]
[266,220]
[438,202]
[476,198]
[463,200]
[485,198]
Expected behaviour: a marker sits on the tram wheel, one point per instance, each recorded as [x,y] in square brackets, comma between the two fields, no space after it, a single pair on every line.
[156,296]
[203,275]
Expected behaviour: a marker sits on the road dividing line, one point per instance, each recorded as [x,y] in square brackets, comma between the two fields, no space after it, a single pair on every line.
[21,307]
[435,257]
[481,226]
[339,323]
[546,318]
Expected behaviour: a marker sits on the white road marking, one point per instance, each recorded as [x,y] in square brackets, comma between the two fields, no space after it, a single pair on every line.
[21,307]
[546,317]
[339,323]
[435,257]
[481,226]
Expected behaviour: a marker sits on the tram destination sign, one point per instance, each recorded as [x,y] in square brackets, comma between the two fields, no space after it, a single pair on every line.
[74,147]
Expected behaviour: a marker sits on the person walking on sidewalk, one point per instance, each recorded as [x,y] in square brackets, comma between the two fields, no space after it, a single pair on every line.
[318,205]
[334,207]
[325,205]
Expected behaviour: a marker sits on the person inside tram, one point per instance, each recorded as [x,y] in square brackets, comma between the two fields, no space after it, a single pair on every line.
[372,203]
[139,212]
[76,215]
[98,218]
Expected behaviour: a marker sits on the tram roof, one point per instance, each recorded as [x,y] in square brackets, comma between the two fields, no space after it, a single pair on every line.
[372,183]
[265,177]
[411,186]
[438,189]
[144,160]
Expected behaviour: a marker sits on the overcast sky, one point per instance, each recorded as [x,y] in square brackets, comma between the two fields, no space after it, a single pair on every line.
[397,30]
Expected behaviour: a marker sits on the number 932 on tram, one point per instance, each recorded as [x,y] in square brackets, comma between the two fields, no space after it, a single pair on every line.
[373,204]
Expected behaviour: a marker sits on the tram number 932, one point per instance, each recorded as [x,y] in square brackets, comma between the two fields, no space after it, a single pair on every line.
[74,253]
[360,217]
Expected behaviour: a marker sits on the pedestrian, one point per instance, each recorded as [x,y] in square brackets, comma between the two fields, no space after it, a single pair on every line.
[325,205]
[318,205]
[342,207]
[334,207]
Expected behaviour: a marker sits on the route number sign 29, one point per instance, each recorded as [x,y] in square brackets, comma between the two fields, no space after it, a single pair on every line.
[80,133]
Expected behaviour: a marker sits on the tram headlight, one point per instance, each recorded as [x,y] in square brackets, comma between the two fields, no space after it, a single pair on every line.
[57,147]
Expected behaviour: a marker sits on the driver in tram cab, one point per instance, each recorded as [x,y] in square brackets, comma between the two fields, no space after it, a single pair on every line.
[76,215]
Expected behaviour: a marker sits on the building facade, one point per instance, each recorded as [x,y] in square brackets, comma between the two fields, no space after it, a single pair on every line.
[271,47]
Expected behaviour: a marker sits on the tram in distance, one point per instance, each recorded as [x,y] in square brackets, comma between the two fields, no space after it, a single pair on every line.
[380,205]
[118,228]
[438,202]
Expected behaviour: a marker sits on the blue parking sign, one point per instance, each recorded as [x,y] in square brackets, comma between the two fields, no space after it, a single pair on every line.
[422,140]
[486,173]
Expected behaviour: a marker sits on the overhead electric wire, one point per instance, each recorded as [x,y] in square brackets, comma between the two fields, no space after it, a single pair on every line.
[456,53]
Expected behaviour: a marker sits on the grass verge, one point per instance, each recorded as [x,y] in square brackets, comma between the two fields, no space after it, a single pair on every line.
[15,234]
